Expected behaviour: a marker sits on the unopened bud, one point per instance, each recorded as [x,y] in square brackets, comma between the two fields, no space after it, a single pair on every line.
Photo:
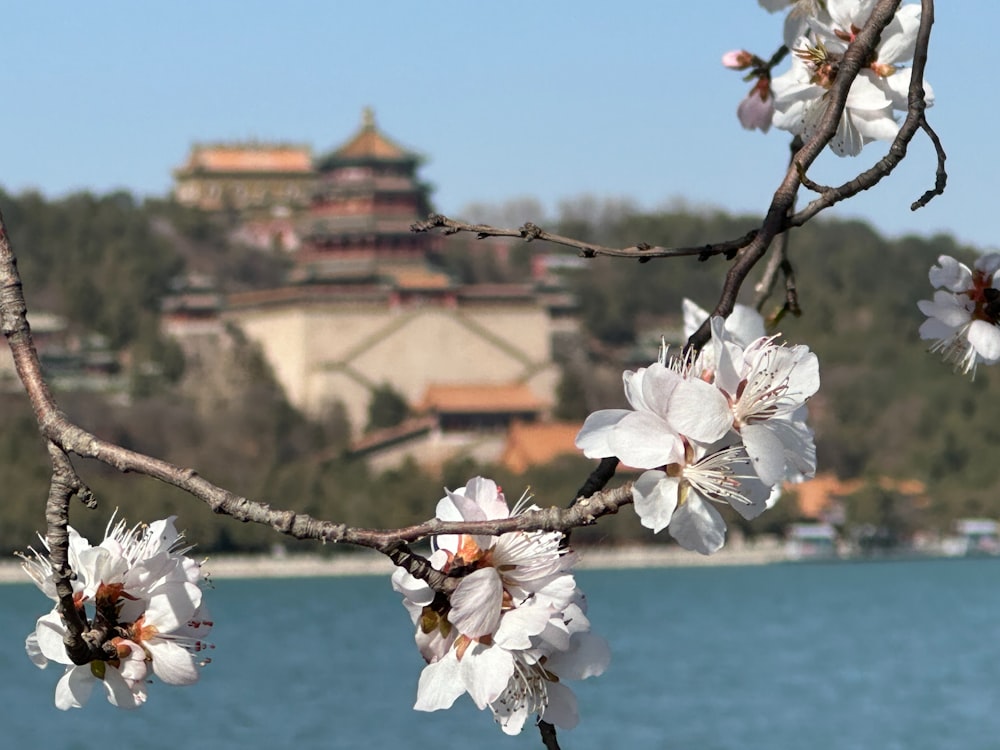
[737,59]
[883,69]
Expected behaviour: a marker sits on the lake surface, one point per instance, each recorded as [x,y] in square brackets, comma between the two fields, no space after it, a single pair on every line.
[785,657]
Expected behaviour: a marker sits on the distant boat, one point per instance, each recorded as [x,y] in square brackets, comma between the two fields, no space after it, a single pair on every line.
[811,541]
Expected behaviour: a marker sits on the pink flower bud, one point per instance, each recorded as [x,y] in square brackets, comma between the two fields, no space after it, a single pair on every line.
[757,109]
[737,59]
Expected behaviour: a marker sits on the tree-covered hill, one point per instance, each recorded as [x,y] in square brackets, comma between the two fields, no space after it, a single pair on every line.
[886,408]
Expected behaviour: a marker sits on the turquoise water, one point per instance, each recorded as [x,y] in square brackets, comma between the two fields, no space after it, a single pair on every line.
[789,657]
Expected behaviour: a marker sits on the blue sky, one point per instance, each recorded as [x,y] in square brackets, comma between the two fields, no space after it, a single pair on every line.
[505,100]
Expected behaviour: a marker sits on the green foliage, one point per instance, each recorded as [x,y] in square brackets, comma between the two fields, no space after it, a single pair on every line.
[95,260]
[885,407]
[571,397]
[387,408]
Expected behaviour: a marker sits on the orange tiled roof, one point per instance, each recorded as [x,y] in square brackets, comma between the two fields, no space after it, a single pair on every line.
[513,397]
[903,486]
[369,142]
[533,444]
[250,158]
[418,278]
[817,494]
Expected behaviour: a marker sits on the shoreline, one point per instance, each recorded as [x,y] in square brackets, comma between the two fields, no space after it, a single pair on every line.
[222,567]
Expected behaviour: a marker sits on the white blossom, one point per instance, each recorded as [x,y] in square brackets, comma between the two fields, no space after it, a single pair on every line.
[801,95]
[514,625]
[743,325]
[799,14]
[725,426]
[140,587]
[963,319]
[666,405]
[767,386]
[678,496]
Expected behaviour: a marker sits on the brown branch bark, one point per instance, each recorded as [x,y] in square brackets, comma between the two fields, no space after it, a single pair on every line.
[530,232]
[83,644]
[914,121]
[751,247]
[776,220]
[548,732]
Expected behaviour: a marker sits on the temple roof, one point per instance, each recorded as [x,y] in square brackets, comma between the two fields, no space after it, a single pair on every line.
[537,443]
[368,145]
[480,398]
[247,158]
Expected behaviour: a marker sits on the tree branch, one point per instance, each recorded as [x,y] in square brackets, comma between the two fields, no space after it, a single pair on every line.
[751,247]
[776,220]
[915,119]
[530,232]
[548,732]
[83,645]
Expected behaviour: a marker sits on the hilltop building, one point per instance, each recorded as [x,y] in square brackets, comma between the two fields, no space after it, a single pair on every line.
[244,176]
[364,306]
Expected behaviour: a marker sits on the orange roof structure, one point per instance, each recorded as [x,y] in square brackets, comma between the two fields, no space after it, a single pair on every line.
[538,443]
[249,157]
[481,398]
[816,496]
[369,143]
[417,278]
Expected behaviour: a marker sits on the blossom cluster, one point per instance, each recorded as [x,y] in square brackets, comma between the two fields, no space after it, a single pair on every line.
[963,319]
[726,426]
[513,630]
[818,35]
[140,589]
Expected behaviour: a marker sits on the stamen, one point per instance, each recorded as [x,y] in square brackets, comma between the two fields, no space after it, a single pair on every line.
[713,476]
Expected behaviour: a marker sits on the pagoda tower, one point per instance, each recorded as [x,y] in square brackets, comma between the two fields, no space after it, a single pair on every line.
[366,306]
[367,197]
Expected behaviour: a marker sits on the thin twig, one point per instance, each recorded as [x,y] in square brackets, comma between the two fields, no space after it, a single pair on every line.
[776,219]
[530,232]
[915,120]
[778,261]
[940,175]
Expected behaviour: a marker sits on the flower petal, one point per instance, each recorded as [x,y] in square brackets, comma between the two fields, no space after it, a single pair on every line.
[697,526]
[440,684]
[120,693]
[562,707]
[766,451]
[172,663]
[700,411]
[485,671]
[74,687]
[475,603]
[644,441]
[593,436]
[49,632]
[985,339]
[654,497]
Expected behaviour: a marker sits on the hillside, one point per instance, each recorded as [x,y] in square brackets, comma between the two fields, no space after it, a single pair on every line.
[886,408]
